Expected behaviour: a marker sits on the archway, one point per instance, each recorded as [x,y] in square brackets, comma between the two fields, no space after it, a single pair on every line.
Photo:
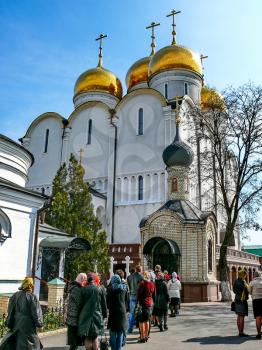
[163,252]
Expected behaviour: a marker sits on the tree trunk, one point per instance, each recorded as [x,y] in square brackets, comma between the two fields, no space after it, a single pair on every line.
[225,286]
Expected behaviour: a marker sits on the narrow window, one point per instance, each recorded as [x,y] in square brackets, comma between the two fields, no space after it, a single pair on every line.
[89,132]
[166,91]
[174,185]
[140,188]
[46,140]
[140,121]
[186,89]
[210,256]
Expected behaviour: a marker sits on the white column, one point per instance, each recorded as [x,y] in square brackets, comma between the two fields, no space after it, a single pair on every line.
[62,263]
[65,142]
[121,189]
[159,186]
[151,186]
[129,189]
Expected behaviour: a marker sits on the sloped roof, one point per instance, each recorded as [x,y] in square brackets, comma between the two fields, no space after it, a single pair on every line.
[187,210]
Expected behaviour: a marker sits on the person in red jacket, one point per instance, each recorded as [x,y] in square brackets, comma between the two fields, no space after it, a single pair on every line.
[145,295]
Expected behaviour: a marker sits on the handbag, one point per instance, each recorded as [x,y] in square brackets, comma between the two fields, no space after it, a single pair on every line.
[233,306]
[104,345]
[138,311]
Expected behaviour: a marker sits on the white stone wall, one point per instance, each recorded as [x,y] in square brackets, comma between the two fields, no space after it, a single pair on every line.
[46,163]
[96,154]
[175,80]
[16,252]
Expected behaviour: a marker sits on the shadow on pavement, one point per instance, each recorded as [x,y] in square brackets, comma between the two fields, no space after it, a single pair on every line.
[216,340]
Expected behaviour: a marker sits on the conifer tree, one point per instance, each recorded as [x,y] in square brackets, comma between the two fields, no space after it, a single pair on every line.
[72,211]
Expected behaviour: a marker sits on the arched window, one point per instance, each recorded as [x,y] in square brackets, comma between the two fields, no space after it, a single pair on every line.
[5,227]
[174,185]
[89,132]
[166,91]
[140,188]
[140,130]
[186,89]
[46,140]
[210,256]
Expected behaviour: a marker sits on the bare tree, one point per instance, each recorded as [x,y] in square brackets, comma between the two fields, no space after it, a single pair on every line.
[232,127]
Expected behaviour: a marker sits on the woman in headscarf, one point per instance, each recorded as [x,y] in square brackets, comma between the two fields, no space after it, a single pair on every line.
[24,316]
[92,311]
[174,287]
[240,289]
[118,305]
[72,311]
[145,295]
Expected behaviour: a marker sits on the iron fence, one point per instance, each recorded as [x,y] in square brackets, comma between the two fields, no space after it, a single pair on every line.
[53,318]
[3,328]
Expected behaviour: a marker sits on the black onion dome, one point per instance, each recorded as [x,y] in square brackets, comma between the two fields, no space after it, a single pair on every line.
[178,153]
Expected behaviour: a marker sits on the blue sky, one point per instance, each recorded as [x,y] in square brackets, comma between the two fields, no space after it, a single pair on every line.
[46,44]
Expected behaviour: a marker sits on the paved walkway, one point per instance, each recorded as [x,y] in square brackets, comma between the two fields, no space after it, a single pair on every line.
[199,326]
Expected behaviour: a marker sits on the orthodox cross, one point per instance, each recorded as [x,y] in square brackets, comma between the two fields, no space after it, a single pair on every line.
[101,37]
[202,58]
[81,152]
[174,13]
[152,26]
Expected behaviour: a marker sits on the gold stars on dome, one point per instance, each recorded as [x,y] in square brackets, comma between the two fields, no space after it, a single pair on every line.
[99,79]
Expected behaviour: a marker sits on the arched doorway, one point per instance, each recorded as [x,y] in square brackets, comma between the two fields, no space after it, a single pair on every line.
[164,252]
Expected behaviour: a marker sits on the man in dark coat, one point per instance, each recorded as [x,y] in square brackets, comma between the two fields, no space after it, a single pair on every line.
[92,312]
[133,281]
[161,301]
[24,316]
[118,305]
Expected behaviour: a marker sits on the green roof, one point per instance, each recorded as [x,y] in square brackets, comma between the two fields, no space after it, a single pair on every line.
[56,282]
[253,250]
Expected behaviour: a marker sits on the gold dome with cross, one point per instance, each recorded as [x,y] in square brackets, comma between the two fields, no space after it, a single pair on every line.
[99,79]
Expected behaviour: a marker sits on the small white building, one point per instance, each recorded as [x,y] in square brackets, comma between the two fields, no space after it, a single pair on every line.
[18,213]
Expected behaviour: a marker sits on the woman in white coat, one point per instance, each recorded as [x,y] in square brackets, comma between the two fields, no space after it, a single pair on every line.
[174,287]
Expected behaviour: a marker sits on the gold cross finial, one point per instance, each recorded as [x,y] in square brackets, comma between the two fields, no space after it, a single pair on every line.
[152,26]
[101,37]
[174,13]
[81,152]
[202,58]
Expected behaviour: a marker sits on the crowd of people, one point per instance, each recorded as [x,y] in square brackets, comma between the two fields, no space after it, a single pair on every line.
[140,301]
[242,290]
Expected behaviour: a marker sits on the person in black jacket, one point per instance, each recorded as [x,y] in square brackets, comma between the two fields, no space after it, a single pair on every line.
[72,311]
[92,311]
[118,305]
[161,301]
[24,316]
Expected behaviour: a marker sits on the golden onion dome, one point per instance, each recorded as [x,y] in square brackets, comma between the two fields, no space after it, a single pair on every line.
[138,72]
[175,57]
[210,98]
[99,79]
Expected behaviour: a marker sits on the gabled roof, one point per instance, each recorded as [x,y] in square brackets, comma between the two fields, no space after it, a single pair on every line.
[187,210]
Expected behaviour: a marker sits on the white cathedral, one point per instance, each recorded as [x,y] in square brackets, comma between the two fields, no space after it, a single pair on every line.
[120,141]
